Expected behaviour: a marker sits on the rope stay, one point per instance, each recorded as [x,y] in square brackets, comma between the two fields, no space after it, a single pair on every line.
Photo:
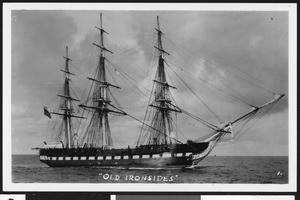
[176,44]
[197,96]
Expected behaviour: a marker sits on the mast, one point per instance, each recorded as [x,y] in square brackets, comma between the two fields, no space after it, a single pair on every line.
[67,118]
[66,106]
[162,119]
[103,91]
[98,132]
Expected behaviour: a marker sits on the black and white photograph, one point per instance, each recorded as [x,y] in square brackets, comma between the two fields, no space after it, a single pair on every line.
[150,97]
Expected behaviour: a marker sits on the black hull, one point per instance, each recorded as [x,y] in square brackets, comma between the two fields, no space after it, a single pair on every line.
[180,155]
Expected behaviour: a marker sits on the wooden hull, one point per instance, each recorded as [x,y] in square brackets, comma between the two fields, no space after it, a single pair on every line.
[143,162]
[145,156]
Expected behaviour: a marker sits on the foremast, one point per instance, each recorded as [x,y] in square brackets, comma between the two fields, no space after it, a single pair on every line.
[98,133]
[162,122]
[66,106]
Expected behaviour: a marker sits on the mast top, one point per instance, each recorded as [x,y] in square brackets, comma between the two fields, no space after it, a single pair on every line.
[67,51]
[159,42]
[100,28]
[67,55]
[101,20]
[158,27]
[158,23]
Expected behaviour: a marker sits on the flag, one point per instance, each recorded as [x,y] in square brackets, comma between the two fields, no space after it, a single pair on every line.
[46,112]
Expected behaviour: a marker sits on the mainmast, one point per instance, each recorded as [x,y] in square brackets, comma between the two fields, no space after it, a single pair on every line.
[98,132]
[162,119]
[101,98]
[66,105]
[67,102]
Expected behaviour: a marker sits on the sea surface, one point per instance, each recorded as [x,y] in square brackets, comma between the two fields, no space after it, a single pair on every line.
[213,169]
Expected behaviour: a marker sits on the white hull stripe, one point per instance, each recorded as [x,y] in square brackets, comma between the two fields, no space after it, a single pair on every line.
[164,155]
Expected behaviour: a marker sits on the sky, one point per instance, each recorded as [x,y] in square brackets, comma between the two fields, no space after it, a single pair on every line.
[248,44]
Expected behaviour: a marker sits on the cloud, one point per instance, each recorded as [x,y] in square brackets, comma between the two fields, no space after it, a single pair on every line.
[38,44]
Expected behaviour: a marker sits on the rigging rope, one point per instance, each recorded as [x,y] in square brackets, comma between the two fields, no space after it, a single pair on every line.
[207,107]
[221,92]
[124,73]
[146,124]
[209,125]
[145,114]
[273,92]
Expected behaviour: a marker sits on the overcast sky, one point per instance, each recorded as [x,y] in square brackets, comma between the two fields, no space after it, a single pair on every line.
[255,42]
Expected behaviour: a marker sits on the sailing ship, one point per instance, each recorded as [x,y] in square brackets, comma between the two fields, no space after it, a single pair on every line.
[158,144]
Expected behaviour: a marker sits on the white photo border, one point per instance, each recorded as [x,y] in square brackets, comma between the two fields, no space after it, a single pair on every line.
[113,187]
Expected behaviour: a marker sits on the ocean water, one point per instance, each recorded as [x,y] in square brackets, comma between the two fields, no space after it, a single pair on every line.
[213,169]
